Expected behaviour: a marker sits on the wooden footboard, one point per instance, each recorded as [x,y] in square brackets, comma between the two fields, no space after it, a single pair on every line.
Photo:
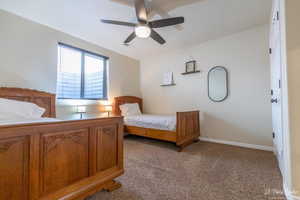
[188,128]
[60,160]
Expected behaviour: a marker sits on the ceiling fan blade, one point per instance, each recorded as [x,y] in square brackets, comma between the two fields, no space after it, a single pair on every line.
[156,9]
[118,23]
[141,11]
[166,22]
[155,36]
[130,38]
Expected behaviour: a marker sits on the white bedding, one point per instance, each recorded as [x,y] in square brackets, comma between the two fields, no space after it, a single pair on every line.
[18,121]
[161,122]
[19,109]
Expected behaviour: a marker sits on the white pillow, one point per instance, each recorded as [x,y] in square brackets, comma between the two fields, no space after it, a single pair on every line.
[130,109]
[19,109]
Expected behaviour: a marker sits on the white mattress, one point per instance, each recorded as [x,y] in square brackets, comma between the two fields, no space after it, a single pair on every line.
[18,121]
[161,122]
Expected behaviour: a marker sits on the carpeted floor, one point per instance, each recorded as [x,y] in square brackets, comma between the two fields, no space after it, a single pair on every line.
[154,170]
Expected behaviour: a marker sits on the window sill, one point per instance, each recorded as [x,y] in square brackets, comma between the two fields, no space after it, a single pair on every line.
[76,102]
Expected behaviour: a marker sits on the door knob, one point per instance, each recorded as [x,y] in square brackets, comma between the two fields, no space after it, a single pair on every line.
[274,101]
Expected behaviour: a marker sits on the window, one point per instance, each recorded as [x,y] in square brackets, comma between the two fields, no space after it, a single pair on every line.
[81,74]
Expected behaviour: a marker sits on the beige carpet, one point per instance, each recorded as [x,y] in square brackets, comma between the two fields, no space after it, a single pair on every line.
[154,170]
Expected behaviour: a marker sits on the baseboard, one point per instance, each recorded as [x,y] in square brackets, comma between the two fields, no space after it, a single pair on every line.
[288,194]
[239,144]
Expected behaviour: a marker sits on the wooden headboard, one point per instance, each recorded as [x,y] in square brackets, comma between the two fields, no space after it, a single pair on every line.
[123,100]
[42,99]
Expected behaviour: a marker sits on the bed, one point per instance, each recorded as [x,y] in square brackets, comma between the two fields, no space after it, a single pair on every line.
[48,159]
[182,129]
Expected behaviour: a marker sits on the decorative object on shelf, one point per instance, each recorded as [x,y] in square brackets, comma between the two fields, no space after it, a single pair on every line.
[81,110]
[190,68]
[217,84]
[168,79]
[108,109]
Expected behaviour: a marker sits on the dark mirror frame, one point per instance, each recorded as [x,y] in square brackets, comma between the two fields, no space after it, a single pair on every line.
[227,90]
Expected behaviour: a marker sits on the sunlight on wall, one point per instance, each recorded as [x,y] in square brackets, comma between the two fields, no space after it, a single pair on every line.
[69,107]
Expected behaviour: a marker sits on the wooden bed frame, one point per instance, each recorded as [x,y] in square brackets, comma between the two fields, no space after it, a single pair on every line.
[187,125]
[58,160]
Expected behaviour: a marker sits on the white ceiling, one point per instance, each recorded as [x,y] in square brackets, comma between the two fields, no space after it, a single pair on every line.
[205,20]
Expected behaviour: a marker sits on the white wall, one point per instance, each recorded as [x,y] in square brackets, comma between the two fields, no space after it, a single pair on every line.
[246,115]
[293,71]
[28,57]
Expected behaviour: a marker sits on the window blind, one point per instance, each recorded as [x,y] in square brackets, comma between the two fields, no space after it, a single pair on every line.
[81,74]
[94,77]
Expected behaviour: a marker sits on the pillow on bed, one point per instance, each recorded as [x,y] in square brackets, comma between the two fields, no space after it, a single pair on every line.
[130,109]
[16,109]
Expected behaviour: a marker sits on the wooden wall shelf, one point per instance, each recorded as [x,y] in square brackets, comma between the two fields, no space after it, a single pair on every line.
[186,73]
[168,85]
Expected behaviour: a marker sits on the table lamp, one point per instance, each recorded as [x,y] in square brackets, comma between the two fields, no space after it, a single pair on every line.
[108,109]
[81,110]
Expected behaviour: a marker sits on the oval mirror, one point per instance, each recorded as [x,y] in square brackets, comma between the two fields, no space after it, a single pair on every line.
[218,84]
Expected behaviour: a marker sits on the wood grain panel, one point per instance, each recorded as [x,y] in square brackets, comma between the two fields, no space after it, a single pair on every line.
[107,147]
[162,135]
[14,168]
[65,159]
[152,133]
[188,127]
[136,130]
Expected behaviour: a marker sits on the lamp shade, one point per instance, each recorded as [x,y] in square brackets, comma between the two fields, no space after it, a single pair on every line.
[81,109]
[108,108]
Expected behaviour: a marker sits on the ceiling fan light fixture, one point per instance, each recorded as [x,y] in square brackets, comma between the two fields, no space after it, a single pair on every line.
[142,31]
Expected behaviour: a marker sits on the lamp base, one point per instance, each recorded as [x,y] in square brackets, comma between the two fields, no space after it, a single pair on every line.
[81,115]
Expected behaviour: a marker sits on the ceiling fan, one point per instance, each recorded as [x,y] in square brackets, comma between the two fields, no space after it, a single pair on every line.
[145,28]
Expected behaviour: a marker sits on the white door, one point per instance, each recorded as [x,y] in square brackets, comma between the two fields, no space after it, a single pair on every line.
[275,56]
